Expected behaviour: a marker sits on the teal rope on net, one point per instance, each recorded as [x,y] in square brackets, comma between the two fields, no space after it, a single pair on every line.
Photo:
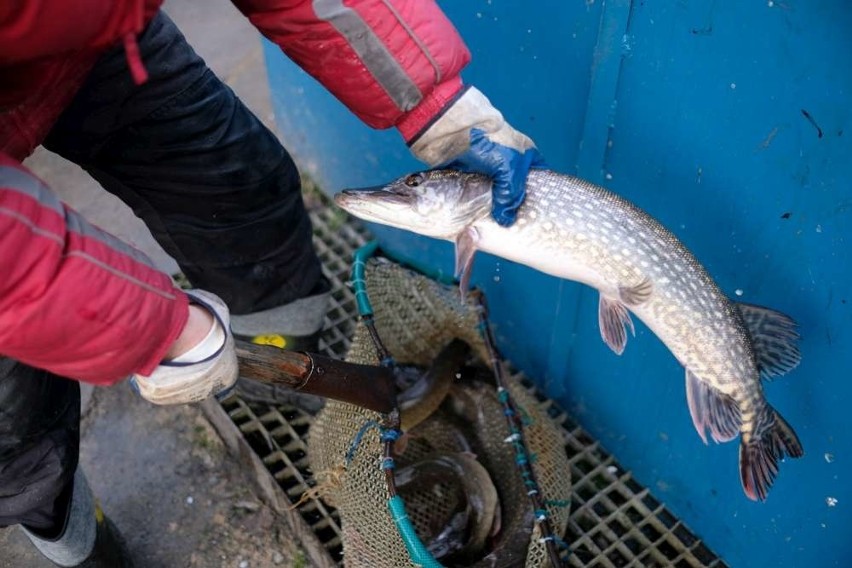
[362,299]
[416,550]
[516,419]
[359,285]
[389,430]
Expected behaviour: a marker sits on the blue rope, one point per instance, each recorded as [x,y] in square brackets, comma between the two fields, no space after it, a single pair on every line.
[350,454]
[561,543]
[553,538]
[390,435]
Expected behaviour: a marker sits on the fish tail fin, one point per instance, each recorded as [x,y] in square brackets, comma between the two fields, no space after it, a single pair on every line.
[771,441]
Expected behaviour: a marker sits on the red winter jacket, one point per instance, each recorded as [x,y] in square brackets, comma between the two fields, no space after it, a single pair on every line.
[75,300]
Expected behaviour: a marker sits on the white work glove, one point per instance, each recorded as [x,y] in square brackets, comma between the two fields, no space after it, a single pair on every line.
[210,368]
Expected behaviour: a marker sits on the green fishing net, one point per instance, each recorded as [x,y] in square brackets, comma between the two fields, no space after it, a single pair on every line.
[416,317]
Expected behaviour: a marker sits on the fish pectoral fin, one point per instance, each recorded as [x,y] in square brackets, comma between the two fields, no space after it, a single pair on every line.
[466,242]
[614,319]
[774,339]
[712,409]
[638,294]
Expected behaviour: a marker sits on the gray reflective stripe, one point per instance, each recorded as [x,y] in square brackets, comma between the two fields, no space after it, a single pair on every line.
[13,179]
[79,225]
[373,54]
[144,285]
[21,181]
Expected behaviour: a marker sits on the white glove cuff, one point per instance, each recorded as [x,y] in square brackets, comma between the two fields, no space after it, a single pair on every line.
[212,342]
[177,382]
[449,136]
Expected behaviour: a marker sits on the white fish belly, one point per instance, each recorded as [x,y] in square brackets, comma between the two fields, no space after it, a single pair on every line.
[559,262]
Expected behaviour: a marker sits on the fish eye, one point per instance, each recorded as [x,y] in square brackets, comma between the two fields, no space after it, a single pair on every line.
[414,180]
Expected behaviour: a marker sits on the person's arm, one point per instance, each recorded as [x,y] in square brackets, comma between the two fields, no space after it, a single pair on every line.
[75,300]
[397,63]
[393,63]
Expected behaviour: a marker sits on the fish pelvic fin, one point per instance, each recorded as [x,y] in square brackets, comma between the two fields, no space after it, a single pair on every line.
[774,339]
[614,319]
[712,410]
[771,441]
[466,243]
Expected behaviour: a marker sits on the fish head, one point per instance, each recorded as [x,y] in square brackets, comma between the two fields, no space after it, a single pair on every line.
[434,203]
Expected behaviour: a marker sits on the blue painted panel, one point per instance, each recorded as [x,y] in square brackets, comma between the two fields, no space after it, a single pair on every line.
[708,115]
[709,135]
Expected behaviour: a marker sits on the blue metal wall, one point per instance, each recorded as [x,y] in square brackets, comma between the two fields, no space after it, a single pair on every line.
[730,123]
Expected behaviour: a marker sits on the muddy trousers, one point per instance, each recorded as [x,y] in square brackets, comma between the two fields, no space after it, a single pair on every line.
[218,192]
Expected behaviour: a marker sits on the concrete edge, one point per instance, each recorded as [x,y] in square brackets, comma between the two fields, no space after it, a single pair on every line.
[264,484]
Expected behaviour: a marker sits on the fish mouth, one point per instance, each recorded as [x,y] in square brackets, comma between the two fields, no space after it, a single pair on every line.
[372,203]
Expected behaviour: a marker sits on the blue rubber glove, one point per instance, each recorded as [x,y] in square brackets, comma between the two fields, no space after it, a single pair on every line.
[472,136]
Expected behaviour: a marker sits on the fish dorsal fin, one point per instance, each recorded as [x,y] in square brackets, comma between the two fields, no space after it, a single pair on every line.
[638,294]
[466,242]
[711,409]
[774,339]
[614,319]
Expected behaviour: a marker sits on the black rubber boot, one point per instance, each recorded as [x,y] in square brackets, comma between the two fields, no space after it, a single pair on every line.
[110,549]
[85,538]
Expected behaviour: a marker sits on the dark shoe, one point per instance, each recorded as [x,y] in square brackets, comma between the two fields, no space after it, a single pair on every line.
[110,547]
[296,326]
[85,533]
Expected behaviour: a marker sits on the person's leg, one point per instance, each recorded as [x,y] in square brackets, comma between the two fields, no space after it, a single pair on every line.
[39,444]
[216,188]
[42,487]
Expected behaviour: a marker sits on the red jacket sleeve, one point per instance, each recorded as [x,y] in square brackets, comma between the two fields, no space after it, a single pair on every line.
[392,62]
[75,300]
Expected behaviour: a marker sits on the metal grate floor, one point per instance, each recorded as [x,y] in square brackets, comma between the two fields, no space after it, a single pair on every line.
[614,521]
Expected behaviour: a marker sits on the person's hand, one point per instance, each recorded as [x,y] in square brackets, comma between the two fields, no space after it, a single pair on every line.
[472,136]
[202,361]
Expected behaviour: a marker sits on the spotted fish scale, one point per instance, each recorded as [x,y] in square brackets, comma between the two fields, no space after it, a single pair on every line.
[576,230]
[595,237]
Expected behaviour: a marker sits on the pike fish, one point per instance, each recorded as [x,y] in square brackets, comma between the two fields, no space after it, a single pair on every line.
[575,230]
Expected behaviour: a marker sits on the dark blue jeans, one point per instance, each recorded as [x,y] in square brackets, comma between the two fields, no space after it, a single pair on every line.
[219,193]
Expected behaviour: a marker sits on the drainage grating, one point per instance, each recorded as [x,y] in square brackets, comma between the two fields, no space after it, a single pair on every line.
[614,521]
